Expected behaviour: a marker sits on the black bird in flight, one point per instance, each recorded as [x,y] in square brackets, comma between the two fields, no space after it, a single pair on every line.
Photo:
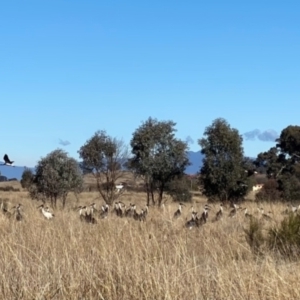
[7,161]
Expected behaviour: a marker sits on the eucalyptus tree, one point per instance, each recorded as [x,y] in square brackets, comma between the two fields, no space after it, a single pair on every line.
[157,156]
[222,175]
[55,176]
[105,157]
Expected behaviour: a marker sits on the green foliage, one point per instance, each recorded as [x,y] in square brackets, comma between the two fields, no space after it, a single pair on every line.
[104,157]
[273,161]
[57,174]
[157,155]
[286,238]
[290,187]
[27,178]
[224,164]
[254,235]
[249,176]
[282,163]
[289,141]
[180,189]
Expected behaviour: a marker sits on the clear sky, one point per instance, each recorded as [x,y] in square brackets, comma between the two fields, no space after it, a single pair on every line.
[69,68]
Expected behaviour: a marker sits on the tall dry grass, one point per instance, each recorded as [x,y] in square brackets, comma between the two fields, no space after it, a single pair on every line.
[120,258]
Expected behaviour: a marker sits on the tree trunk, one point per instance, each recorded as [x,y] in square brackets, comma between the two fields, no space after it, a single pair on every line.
[64,201]
[148,191]
[55,201]
[151,188]
[152,197]
[160,194]
[148,197]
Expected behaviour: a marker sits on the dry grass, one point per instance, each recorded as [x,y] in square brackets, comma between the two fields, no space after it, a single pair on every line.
[125,176]
[121,258]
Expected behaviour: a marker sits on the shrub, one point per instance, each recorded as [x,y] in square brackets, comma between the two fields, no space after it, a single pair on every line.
[290,187]
[179,190]
[27,178]
[286,238]
[254,235]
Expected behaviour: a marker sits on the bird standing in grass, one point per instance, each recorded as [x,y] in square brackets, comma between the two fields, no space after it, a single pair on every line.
[246,213]
[177,213]
[204,216]
[193,221]
[17,208]
[233,211]
[219,214]
[46,213]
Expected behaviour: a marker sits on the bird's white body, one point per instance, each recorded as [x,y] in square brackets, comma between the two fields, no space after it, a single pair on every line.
[46,213]
[119,187]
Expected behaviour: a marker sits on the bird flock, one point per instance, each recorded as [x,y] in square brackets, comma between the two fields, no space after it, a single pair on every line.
[90,214]
[260,214]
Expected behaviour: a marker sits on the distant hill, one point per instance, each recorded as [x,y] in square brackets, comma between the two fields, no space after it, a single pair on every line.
[16,172]
[12,172]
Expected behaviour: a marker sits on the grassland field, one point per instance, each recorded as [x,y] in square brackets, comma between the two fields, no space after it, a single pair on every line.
[124,259]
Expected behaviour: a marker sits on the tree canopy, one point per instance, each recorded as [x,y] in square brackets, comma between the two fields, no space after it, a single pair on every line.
[223,175]
[27,178]
[289,142]
[56,175]
[105,157]
[282,164]
[157,156]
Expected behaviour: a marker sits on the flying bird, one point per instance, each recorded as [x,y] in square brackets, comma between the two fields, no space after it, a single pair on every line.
[7,161]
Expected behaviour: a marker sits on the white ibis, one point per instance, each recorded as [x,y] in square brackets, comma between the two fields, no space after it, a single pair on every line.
[47,214]
[119,187]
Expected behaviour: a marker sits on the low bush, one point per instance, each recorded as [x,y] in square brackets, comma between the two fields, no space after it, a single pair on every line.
[254,235]
[286,238]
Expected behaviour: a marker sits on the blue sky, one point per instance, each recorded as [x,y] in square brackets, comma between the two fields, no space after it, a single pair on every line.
[69,68]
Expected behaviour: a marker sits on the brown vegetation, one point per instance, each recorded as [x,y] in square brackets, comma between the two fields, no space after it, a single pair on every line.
[120,258]
[90,183]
